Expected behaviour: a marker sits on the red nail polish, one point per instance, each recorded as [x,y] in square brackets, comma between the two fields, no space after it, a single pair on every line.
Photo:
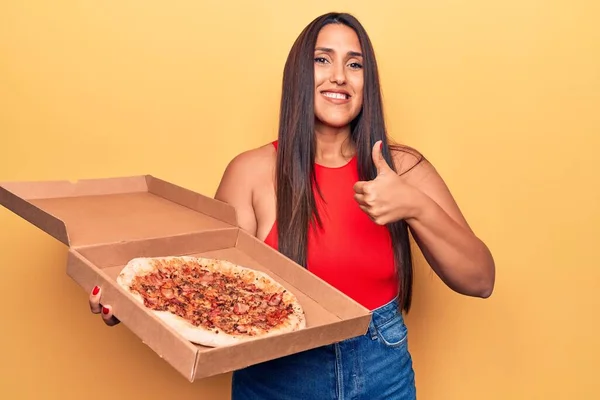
[381,145]
[105,310]
[96,290]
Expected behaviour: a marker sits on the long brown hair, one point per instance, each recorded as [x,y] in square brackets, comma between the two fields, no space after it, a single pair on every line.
[295,176]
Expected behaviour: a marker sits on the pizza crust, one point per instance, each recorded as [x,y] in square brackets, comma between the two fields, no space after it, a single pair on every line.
[214,337]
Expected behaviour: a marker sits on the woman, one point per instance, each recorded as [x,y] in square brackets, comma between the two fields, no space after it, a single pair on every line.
[332,194]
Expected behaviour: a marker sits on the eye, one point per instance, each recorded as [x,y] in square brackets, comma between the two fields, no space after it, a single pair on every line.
[320,60]
[355,65]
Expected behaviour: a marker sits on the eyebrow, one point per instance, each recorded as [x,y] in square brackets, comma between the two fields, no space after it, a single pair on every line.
[329,50]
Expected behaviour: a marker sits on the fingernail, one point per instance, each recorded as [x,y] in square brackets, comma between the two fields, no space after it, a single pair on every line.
[105,310]
[96,290]
[381,145]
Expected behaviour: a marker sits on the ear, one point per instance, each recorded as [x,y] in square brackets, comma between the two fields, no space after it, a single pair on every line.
[380,163]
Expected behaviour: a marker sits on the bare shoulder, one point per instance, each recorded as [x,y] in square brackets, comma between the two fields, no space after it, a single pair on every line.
[408,161]
[251,163]
[419,172]
[414,167]
[243,174]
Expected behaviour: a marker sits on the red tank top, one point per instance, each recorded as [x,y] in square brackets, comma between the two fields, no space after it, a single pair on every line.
[349,251]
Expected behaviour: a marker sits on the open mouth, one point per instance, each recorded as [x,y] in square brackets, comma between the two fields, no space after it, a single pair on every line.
[336,95]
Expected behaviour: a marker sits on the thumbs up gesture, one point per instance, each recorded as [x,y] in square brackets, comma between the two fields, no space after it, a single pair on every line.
[386,198]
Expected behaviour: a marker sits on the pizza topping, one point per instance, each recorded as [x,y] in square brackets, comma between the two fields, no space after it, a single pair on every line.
[241,308]
[167,292]
[211,299]
[275,299]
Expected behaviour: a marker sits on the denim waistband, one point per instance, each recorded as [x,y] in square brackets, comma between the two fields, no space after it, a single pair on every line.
[383,314]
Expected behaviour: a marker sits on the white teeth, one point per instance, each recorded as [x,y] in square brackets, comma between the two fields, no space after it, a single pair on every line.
[341,96]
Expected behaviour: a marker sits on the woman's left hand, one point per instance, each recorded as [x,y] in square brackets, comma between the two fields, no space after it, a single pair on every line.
[387,198]
[447,242]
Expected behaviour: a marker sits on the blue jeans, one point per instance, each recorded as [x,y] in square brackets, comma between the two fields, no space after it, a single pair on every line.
[374,366]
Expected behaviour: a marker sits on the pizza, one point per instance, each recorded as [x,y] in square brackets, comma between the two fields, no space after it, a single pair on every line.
[212,302]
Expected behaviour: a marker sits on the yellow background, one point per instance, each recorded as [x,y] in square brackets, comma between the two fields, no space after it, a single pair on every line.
[503,97]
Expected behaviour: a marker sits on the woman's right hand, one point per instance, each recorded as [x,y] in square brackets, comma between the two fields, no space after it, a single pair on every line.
[104,310]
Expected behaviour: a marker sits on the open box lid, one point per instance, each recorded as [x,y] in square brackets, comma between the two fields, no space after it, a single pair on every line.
[103,211]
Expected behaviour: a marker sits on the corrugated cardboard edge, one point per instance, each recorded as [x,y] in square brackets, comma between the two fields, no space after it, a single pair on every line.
[245,354]
[193,200]
[34,215]
[164,341]
[17,197]
[114,254]
[35,190]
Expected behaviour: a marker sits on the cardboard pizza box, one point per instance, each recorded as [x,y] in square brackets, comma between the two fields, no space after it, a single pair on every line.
[107,222]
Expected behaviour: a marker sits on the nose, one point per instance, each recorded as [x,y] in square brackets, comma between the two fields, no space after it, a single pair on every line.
[338,74]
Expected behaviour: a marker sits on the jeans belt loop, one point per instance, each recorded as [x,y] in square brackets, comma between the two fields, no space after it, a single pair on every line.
[372,328]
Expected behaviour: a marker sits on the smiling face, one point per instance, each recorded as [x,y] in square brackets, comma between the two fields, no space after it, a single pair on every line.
[339,77]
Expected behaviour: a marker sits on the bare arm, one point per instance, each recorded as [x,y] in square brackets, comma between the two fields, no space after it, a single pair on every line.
[236,188]
[447,242]
[418,195]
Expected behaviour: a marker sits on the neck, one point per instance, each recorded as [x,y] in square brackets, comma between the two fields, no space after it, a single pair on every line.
[333,145]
